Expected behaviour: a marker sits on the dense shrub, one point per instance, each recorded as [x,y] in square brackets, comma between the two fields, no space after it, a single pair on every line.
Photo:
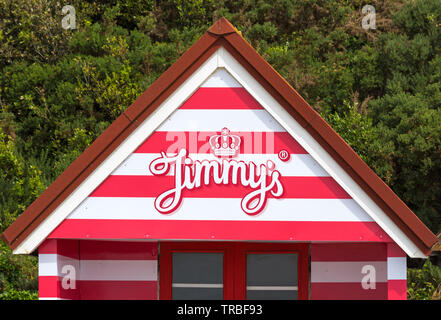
[18,275]
[424,283]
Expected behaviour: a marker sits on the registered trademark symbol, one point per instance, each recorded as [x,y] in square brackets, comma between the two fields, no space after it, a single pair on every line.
[284,155]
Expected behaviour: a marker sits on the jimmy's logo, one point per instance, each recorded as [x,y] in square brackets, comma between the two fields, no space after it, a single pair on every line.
[191,174]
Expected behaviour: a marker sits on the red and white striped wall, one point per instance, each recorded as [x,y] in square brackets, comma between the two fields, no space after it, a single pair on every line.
[396,272]
[98,270]
[313,207]
[58,267]
[357,271]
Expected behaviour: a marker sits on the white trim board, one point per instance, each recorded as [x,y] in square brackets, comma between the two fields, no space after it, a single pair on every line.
[220,59]
[195,209]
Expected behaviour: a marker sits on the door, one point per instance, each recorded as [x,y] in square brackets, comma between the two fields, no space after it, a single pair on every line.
[230,270]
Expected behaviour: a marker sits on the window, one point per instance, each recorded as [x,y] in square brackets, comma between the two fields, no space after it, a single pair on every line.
[197,275]
[272,276]
[232,270]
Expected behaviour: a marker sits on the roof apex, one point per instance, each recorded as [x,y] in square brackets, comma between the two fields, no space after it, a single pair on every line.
[222,27]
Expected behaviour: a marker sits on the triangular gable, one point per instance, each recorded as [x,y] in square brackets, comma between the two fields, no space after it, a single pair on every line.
[221,47]
[312,206]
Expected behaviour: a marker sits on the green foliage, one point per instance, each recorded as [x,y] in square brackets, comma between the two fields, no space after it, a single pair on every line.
[18,275]
[31,30]
[20,183]
[359,132]
[59,89]
[413,128]
[424,283]
[13,294]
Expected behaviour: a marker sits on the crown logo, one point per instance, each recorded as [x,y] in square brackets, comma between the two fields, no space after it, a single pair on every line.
[225,144]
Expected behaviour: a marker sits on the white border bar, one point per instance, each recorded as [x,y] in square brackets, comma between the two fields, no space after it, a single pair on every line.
[51,264]
[347,271]
[119,270]
[396,268]
[222,210]
[237,120]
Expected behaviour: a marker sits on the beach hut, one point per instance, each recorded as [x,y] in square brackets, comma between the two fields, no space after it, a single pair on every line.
[220,182]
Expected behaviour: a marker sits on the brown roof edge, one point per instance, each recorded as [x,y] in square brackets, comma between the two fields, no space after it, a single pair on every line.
[222,32]
[5,240]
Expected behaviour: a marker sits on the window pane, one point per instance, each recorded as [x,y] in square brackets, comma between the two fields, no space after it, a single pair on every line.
[197,275]
[272,276]
[272,269]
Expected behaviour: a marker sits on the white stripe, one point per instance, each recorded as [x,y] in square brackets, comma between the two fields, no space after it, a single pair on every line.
[50,264]
[214,120]
[273,288]
[222,209]
[346,271]
[197,285]
[396,268]
[54,298]
[302,165]
[47,265]
[221,78]
[123,270]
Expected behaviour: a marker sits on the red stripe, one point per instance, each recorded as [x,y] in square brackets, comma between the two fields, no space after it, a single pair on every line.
[394,250]
[221,98]
[50,287]
[348,252]
[153,186]
[197,142]
[118,250]
[347,291]
[48,246]
[397,289]
[67,248]
[220,230]
[119,290]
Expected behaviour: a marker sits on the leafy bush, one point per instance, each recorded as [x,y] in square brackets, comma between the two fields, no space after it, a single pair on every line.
[424,283]
[20,183]
[13,294]
[18,275]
